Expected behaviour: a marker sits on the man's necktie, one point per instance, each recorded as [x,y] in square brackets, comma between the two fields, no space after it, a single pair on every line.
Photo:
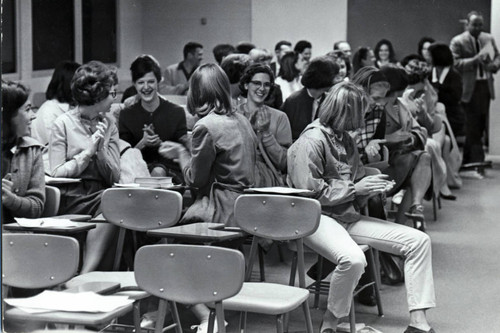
[478,48]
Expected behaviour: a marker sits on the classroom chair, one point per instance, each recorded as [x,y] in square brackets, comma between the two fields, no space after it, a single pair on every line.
[39,261]
[52,201]
[189,274]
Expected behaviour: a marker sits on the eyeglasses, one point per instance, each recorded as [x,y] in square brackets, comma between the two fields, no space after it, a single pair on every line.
[265,85]
[112,93]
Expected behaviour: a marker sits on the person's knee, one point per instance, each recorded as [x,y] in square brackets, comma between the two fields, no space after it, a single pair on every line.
[355,261]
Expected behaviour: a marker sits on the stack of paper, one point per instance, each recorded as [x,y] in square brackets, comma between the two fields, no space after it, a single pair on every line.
[154,182]
[60,301]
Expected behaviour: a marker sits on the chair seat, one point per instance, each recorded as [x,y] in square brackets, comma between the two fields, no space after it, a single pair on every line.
[266,298]
[61,317]
[126,279]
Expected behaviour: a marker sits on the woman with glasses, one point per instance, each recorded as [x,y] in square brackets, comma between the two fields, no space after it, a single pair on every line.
[23,183]
[271,126]
[84,145]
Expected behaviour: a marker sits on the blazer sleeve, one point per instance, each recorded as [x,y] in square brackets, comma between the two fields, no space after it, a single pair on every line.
[462,63]
[203,153]
[277,145]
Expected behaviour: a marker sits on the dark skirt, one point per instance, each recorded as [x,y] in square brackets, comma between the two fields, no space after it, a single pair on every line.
[401,166]
[81,198]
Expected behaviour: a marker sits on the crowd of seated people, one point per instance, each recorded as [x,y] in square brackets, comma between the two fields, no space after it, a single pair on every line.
[300,121]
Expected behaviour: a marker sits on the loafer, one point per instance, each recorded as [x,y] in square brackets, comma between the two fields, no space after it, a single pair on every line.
[448,196]
[411,329]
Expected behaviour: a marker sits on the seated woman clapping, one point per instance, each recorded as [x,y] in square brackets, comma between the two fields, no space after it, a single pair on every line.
[23,182]
[325,160]
[271,126]
[84,144]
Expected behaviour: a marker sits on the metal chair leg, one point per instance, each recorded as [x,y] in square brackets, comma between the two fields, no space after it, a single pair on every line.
[352,318]
[175,316]
[279,324]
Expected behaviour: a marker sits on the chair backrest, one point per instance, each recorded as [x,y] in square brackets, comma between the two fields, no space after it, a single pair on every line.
[38,261]
[141,209]
[189,274]
[277,217]
[52,201]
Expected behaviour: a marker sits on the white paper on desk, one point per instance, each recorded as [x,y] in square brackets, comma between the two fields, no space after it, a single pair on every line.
[45,222]
[60,180]
[127,185]
[279,190]
[70,302]
[489,50]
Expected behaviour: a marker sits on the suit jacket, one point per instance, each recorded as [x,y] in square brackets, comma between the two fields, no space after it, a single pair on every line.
[298,107]
[463,48]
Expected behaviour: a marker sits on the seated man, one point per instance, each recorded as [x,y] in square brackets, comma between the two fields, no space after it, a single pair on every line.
[177,75]
[301,107]
[152,119]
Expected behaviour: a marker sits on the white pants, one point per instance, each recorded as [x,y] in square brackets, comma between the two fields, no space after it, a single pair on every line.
[337,242]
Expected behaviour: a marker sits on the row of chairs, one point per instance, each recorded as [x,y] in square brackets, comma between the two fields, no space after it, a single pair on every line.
[187,274]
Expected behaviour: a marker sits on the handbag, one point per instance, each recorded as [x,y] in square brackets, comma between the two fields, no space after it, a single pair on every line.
[392,267]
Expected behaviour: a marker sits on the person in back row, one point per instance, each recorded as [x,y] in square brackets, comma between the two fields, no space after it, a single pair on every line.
[302,106]
[152,119]
[177,75]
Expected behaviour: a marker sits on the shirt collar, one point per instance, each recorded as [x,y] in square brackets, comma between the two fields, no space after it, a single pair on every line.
[443,75]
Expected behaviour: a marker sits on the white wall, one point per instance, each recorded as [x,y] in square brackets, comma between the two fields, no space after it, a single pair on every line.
[169,24]
[322,22]
[495,105]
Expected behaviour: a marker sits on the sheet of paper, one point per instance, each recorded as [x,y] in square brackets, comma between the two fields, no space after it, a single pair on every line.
[489,50]
[279,190]
[127,185]
[69,302]
[60,180]
[45,222]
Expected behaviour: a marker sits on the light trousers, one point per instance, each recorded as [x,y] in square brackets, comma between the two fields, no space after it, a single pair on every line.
[337,242]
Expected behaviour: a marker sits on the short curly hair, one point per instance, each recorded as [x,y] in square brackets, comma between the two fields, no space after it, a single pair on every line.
[250,72]
[92,82]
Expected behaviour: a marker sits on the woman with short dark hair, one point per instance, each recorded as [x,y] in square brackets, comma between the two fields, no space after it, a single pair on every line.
[59,100]
[23,182]
[84,145]
[384,53]
[291,68]
[271,126]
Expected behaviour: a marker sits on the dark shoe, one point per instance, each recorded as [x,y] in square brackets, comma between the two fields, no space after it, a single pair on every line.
[366,297]
[411,329]
[448,196]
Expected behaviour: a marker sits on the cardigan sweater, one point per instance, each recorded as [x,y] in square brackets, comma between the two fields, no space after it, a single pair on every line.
[25,167]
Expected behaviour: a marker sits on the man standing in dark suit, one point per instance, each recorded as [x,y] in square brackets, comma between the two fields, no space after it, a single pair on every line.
[477,59]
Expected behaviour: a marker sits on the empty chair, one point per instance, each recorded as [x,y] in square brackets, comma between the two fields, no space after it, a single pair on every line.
[39,261]
[189,274]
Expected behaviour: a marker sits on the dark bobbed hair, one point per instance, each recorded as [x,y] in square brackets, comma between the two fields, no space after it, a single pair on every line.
[278,45]
[92,82]
[396,76]
[59,87]
[249,73]
[392,54]
[368,75]
[190,48]
[209,90]
[421,43]
[144,64]
[234,65]
[320,73]
[222,50]
[14,95]
[244,47]
[302,45]
[343,107]
[287,66]
[441,55]
[360,55]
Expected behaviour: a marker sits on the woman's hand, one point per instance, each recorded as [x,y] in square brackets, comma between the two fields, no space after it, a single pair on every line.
[149,138]
[7,194]
[171,150]
[260,120]
[371,185]
[372,149]
[97,139]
